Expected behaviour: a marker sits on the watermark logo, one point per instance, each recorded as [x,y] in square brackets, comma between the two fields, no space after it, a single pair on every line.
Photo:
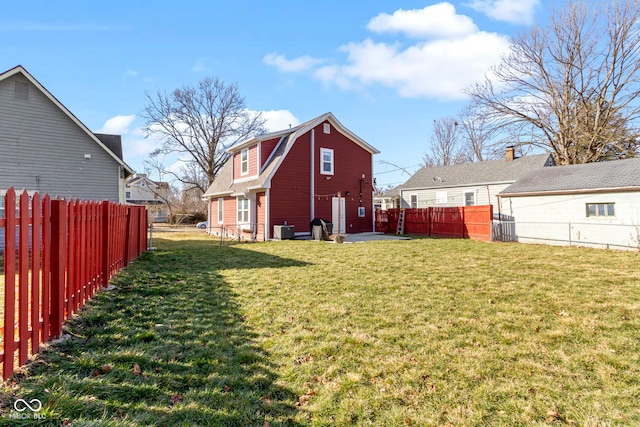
[26,409]
[21,405]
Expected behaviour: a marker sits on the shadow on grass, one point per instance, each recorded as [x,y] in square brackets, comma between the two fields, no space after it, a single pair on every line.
[172,315]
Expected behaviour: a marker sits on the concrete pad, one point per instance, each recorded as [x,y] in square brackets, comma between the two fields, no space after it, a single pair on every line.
[367,237]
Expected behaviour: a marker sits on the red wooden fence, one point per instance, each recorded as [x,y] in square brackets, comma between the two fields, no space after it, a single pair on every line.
[467,222]
[64,252]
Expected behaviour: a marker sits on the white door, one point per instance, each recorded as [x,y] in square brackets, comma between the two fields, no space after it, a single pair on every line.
[338,217]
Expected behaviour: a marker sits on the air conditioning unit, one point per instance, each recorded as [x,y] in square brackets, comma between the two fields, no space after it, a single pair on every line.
[282,232]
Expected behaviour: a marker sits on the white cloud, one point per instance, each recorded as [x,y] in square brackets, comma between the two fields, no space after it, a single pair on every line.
[439,69]
[302,63]
[279,119]
[513,11]
[438,20]
[117,125]
[451,54]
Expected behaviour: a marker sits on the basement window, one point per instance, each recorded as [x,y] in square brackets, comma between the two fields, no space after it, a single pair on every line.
[601,209]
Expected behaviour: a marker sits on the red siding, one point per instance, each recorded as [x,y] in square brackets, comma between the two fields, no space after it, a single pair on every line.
[253,163]
[260,215]
[290,188]
[229,211]
[351,162]
[266,147]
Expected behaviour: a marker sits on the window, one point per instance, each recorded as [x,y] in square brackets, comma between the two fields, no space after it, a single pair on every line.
[470,198]
[244,161]
[220,211]
[243,210]
[326,161]
[128,194]
[441,197]
[326,128]
[414,201]
[600,209]
[361,212]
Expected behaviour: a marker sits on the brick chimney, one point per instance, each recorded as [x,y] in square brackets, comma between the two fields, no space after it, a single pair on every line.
[511,153]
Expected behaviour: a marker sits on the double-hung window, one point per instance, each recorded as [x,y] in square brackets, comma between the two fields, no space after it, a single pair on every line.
[220,210]
[326,161]
[243,210]
[470,198]
[244,161]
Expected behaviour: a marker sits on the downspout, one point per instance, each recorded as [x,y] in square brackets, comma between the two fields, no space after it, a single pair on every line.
[312,181]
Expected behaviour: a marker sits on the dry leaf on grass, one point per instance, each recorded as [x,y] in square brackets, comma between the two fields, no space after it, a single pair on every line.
[177,398]
[136,369]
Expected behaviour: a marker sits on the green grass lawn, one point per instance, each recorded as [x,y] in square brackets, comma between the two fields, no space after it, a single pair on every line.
[389,333]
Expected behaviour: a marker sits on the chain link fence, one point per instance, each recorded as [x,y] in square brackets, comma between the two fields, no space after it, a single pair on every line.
[592,234]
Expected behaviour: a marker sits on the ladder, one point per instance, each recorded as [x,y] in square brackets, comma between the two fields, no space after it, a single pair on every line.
[400,229]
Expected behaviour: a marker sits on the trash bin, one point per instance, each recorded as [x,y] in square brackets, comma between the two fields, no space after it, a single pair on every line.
[320,229]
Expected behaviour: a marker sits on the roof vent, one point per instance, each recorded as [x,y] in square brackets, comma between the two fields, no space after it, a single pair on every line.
[21,91]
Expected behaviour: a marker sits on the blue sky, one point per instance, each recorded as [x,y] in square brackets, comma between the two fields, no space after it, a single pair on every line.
[385,69]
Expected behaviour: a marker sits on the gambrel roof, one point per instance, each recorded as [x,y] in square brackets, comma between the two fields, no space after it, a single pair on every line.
[617,175]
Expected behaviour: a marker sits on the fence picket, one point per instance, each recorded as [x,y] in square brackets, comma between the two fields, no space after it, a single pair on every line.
[9,282]
[472,222]
[65,252]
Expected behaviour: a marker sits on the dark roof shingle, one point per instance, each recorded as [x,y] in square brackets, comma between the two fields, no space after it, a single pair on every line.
[588,176]
[490,171]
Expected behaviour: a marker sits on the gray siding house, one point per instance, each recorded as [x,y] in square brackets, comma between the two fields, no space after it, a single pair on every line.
[468,184]
[45,148]
[593,204]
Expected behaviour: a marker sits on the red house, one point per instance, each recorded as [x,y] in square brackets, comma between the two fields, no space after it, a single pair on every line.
[319,169]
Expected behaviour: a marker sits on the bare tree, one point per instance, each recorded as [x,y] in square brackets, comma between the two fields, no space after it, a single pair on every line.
[572,85]
[476,135]
[445,144]
[199,123]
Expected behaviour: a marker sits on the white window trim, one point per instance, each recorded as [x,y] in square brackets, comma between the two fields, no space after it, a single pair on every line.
[606,210]
[411,196]
[238,210]
[244,163]
[322,161]
[475,197]
[220,210]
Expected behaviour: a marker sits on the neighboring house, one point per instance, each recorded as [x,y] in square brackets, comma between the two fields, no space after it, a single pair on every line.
[593,204]
[318,169]
[140,190]
[390,199]
[45,148]
[467,184]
